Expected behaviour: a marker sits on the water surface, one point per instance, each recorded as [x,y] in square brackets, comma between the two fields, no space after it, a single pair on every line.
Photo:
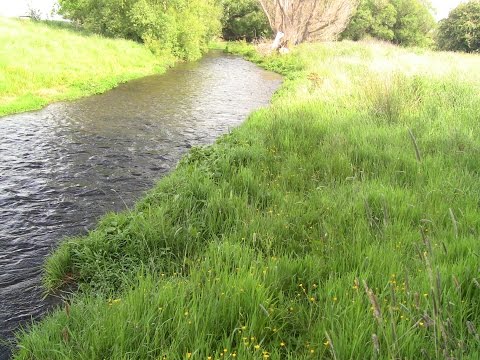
[61,168]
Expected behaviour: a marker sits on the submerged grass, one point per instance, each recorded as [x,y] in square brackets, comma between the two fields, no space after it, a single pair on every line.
[340,223]
[43,62]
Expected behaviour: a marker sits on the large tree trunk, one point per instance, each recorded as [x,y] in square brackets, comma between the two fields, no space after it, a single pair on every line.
[308,20]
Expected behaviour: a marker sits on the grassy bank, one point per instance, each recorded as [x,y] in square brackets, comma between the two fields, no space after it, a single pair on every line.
[44,62]
[340,223]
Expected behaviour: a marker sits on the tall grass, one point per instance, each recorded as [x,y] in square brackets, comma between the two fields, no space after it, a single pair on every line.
[43,62]
[340,223]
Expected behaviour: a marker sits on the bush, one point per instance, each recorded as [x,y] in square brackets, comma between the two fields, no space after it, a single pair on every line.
[181,28]
[373,18]
[244,19]
[461,30]
[403,22]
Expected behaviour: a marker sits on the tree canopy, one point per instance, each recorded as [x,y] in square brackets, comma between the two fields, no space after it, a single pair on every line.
[403,22]
[181,28]
[461,30]
[244,19]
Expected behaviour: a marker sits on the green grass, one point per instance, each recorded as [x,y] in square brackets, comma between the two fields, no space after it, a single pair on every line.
[342,222]
[44,62]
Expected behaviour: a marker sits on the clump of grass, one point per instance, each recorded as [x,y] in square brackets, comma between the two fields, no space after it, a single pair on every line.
[43,62]
[331,225]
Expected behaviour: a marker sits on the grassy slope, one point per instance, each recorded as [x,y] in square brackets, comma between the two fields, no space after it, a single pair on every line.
[45,62]
[315,230]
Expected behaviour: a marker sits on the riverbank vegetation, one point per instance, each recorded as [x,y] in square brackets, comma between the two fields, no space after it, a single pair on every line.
[402,22]
[43,62]
[179,28]
[339,223]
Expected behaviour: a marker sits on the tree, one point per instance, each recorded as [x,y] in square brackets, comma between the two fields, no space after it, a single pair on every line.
[243,19]
[403,22]
[33,12]
[374,18]
[307,20]
[415,23]
[461,30]
[180,28]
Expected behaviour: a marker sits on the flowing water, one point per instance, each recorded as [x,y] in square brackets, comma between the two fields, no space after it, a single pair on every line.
[61,168]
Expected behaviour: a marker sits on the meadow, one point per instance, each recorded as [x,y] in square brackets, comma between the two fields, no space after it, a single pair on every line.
[44,62]
[341,222]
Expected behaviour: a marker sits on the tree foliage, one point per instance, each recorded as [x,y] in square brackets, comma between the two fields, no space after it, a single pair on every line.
[404,22]
[180,28]
[461,30]
[375,18]
[302,20]
[244,19]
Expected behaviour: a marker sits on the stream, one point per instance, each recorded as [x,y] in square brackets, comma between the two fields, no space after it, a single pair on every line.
[63,167]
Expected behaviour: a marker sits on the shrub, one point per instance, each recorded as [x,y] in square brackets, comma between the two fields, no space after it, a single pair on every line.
[178,27]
